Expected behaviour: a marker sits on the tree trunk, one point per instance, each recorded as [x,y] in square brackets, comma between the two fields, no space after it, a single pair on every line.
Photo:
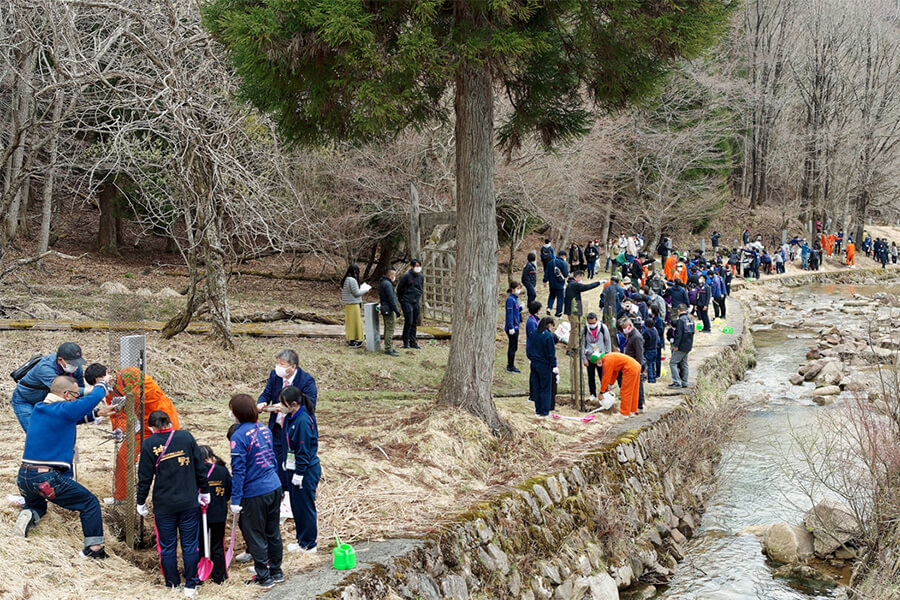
[49,180]
[216,280]
[385,259]
[195,299]
[23,109]
[470,366]
[107,236]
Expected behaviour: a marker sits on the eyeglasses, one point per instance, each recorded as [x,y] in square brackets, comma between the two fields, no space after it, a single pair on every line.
[74,393]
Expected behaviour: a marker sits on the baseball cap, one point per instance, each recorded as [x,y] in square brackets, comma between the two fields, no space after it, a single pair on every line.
[71,353]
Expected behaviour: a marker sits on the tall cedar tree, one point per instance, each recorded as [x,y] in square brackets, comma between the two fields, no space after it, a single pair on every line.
[364,70]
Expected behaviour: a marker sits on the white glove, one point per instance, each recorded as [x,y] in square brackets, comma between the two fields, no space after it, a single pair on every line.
[203,499]
[557,377]
[142,510]
[236,508]
[512,332]
[298,481]
[556,370]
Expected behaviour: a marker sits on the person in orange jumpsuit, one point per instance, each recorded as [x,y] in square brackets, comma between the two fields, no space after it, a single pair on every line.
[127,382]
[851,252]
[831,239]
[669,267]
[615,363]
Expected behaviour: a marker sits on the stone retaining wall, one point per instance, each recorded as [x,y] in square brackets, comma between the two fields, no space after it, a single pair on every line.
[618,516]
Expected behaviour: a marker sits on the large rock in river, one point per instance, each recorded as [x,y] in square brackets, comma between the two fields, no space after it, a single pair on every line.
[832,525]
[788,543]
[830,374]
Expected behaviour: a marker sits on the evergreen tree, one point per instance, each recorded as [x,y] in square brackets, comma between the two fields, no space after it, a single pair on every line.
[366,69]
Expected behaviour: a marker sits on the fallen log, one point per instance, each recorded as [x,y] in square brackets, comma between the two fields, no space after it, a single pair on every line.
[281,314]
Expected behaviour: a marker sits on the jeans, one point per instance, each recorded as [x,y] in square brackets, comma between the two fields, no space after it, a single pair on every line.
[805,263]
[410,322]
[23,411]
[591,268]
[511,349]
[388,330]
[303,506]
[260,521]
[168,527]
[558,295]
[679,367]
[63,491]
[650,360]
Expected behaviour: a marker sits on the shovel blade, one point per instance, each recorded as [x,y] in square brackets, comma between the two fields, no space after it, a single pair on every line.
[204,568]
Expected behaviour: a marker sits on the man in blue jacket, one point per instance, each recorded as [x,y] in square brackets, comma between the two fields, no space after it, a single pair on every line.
[33,388]
[49,450]
[555,275]
[286,372]
[529,278]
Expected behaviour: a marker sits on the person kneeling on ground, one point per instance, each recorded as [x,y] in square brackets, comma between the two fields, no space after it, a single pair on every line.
[49,449]
[303,464]
[174,460]
[614,364]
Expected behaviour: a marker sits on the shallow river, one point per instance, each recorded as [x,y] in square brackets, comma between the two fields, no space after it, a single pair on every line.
[755,487]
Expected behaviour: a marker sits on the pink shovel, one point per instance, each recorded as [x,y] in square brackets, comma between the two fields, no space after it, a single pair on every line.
[205,566]
[229,554]
[586,419]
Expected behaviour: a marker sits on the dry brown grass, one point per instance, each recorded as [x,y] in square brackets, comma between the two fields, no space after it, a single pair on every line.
[394,463]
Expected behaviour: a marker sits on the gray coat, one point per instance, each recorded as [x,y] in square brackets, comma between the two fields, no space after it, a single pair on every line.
[350,293]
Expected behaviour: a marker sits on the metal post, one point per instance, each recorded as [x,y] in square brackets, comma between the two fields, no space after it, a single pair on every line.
[370,326]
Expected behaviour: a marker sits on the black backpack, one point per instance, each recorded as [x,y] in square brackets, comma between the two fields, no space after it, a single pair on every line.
[22,371]
[545,254]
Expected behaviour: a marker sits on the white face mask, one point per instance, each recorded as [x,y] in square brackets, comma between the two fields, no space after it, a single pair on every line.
[593,325]
[70,368]
[417,269]
[281,371]
[233,418]
[517,291]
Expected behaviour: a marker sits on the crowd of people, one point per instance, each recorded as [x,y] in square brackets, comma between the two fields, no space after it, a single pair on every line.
[275,468]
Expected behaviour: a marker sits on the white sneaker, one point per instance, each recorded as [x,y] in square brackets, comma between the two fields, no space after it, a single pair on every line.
[293,548]
[243,557]
[592,399]
[312,550]
[190,592]
[23,523]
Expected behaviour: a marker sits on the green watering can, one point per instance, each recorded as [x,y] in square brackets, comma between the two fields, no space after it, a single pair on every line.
[699,326]
[344,556]
[728,329]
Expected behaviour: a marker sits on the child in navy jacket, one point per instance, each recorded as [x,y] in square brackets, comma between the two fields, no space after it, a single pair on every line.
[302,442]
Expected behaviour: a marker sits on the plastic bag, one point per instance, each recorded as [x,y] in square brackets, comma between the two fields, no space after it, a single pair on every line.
[563,331]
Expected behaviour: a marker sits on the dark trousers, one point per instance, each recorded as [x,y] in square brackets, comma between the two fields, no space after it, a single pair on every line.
[719,306]
[65,492]
[260,519]
[558,295]
[389,320]
[216,534]
[303,506]
[703,314]
[511,349]
[543,391]
[410,322]
[650,361]
[530,292]
[591,268]
[641,389]
[168,528]
[594,372]
[658,362]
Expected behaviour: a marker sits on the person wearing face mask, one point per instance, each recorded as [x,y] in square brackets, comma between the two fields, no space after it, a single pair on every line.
[704,295]
[634,347]
[286,373]
[594,340]
[35,385]
[409,292]
[513,321]
[302,435]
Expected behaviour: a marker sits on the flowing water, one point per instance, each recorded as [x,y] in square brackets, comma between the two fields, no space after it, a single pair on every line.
[755,487]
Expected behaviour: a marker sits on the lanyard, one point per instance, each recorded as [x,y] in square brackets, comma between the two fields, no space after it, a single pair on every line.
[166,447]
